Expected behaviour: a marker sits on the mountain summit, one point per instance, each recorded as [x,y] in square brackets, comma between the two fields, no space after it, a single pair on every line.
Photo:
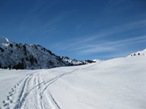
[31,56]
[3,40]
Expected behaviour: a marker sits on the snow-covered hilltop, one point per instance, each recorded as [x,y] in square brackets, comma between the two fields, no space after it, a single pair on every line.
[26,56]
[138,53]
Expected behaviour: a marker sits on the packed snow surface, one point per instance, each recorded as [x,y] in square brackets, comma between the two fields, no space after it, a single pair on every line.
[113,84]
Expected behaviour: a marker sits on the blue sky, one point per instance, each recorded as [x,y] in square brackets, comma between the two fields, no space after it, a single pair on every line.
[81,29]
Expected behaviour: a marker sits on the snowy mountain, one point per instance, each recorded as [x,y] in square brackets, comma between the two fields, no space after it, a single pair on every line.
[138,53]
[31,56]
[70,61]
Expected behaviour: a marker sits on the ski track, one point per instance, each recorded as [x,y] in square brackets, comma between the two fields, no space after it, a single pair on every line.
[32,91]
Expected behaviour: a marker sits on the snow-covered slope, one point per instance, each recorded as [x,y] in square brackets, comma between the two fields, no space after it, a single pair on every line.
[113,84]
[28,56]
[138,53]
[70,61]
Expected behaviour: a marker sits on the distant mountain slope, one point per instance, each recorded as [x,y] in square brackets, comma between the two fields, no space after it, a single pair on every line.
[27,56]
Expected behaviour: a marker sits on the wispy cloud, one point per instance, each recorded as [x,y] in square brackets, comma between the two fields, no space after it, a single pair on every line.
[100,43]
[105,45]
[112,46]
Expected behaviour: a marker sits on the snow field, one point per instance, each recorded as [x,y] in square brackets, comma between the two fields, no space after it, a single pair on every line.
[112,84]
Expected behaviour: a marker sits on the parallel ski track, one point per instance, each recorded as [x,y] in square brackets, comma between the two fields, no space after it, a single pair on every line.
[34,91]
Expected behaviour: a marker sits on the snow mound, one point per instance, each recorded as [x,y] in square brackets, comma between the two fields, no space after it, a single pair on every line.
[3,40]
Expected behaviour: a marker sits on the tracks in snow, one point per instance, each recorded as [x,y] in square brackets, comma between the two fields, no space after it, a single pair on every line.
[33,92]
